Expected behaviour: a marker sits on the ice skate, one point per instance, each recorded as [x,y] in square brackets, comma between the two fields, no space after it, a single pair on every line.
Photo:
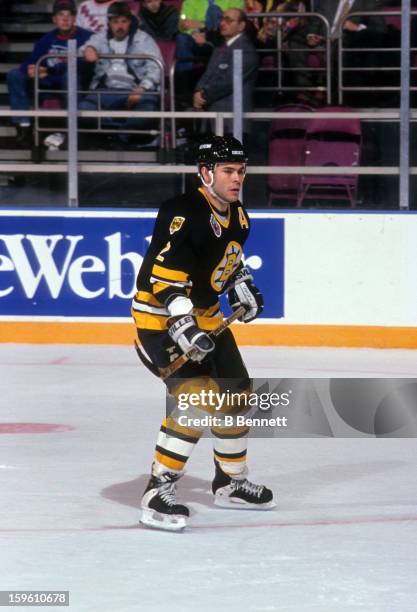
[240,493]
[159,505]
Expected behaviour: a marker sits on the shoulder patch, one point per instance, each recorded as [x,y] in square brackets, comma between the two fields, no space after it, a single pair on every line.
[215,226]
[176,224]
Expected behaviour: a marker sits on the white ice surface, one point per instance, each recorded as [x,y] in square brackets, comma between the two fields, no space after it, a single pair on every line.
[343,537]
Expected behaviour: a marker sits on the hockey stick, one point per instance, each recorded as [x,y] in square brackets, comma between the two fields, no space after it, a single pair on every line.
[182,359]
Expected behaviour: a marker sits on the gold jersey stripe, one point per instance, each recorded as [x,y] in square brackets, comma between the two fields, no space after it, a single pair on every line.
[148,298]
[158,287]
[171,275]
[168,462]
[145,320]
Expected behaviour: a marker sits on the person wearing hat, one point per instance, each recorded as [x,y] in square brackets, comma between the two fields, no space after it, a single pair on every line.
[196,254]
[124,84]
[52,72]
[92,14]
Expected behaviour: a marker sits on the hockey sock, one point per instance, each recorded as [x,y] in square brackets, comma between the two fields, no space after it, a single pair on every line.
[176,440]
[175,444]
[230,448]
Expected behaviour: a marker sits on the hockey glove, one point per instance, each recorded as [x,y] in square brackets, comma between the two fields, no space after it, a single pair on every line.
[244,293]
[184,331]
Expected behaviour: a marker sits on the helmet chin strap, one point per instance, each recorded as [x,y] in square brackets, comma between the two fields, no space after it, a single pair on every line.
[210,188]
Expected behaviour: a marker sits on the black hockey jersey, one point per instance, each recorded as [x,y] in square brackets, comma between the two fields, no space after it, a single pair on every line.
[193,252]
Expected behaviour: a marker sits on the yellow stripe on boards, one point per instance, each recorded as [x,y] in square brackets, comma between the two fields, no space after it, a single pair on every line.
[254,334]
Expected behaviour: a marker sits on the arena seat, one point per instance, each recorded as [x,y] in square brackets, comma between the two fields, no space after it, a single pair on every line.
[286,148]
[331,142]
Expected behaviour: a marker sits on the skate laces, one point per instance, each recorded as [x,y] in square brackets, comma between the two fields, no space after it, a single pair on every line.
[247,486]
[167,488]
[168,493]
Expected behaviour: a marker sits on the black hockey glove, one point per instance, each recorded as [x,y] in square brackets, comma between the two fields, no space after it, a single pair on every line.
[185,332]
[244,293]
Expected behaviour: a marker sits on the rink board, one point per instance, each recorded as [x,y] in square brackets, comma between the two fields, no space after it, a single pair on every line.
[328,279]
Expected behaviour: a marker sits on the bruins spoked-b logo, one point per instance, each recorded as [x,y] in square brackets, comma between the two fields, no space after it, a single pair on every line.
[226,266]
[176,224]
[215,226]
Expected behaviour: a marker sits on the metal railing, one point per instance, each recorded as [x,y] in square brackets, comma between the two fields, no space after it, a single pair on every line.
[280,50]
[73,166]
[39,91]
[343,51]
[219,119]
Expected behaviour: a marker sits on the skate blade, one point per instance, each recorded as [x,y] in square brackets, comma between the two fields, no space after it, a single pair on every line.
[235,504]
[155,520]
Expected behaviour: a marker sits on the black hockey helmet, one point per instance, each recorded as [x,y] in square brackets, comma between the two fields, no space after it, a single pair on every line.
[220,149]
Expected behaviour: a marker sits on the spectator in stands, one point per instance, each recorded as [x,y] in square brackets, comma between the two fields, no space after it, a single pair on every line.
[92,14]
[258,23]
[198,16]
[292,31]
[358,32]
[289,26]
[335,11]
[214,91]
[133,78]
[301,36]
[52,72]
[159,20]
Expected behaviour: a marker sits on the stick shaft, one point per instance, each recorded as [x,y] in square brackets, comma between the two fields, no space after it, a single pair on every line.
[182,359]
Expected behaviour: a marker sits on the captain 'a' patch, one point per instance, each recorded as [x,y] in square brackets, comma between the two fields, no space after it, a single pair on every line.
[242,218]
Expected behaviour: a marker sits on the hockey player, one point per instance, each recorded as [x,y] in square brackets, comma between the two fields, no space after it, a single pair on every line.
[194,256]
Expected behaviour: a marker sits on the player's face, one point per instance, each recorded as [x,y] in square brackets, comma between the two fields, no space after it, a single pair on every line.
[228,179]
[119,27]
[64,21]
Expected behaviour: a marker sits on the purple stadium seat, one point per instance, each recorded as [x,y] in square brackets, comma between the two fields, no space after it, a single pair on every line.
[392,20]
[167,49]
[51,104]
[286,148]
[331,142]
